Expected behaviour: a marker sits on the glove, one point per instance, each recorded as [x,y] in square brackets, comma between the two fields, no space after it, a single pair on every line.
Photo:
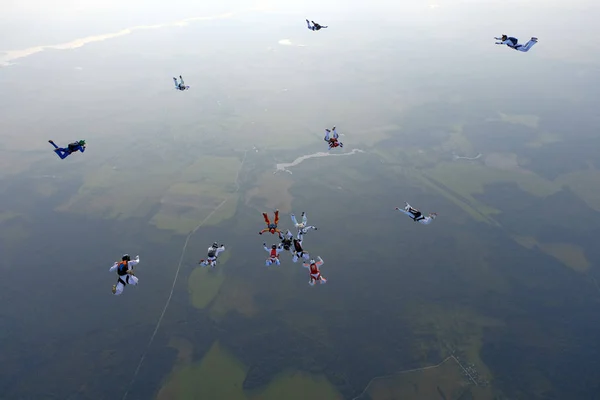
[264,244]
[222,245]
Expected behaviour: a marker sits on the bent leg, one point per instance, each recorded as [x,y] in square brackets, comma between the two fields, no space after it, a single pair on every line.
[118,289]
[335,134]
[266,217]
[327,135]
[133,280]
[525,48]
[62,153]
[294,221]
[181,79]
[276,222]
[304,219]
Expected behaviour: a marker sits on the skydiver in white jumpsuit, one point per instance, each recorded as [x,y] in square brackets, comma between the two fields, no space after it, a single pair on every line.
[301,226]
[333,141]
[314,26]
[125,274]
[513,43]
[180,86]
[273,254]
[213,254]
[416,215]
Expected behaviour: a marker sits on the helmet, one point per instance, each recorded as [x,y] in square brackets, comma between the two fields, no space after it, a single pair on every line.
[81,142]
[215,245]
[126,257]
[274,247]
[504,37]
[312,261]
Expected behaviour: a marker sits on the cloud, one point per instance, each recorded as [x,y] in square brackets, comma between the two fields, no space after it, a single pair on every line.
[288,42]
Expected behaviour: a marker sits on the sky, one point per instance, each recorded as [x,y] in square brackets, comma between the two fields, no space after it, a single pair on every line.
[29,23]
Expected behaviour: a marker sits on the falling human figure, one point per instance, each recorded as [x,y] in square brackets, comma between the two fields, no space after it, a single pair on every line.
[299,251]
[301,226]
[271,227]
[416,215]
[333,140]
[314,26]
[64,152]
[273,254]
[513,43]
[315,273]
[125,273]
[213,254]
[286,240]
[181,85]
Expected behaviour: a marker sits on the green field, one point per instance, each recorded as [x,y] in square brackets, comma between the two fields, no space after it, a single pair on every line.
[220,376]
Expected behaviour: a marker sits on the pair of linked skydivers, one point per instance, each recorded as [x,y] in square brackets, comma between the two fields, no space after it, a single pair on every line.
[293,245]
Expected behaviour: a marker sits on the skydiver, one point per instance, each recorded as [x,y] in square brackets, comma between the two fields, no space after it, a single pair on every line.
[180,86]
[301,226]
[273,254]
[315,274]
[416,215]
[333,141]
[286,240]
[315,26]
[299,252]
[64,152]
[513,43]
[271,227]
[213,254]
[125,273]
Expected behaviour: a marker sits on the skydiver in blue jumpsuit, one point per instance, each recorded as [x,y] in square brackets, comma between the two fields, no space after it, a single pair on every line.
[64,152]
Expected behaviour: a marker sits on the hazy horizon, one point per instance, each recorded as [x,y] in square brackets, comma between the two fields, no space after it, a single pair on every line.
[501,144]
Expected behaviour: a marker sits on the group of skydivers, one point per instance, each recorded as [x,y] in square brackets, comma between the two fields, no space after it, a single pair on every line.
[125,267]
[288,243]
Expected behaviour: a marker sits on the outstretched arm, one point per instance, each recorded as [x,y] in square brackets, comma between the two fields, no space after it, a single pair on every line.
[133,263]
[263,231]
[114,267]
[219,250]
[320,262]
[306,265]
[265,247]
